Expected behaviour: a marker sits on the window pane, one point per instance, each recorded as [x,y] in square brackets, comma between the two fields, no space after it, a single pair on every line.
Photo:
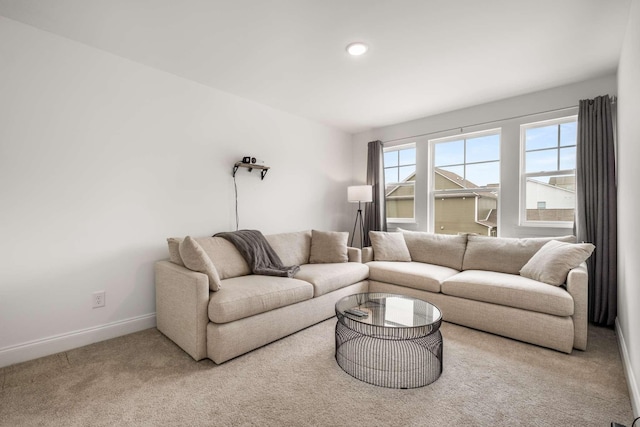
[541,161]
[390,158]
[568,133]
[462,202]
[483,148]
[551,198]
[466,213]
[483,174]
[542,137]
[408,156]
[406,173]
[568,158]
[449,153]
[400,201]
[449,178]
[390,175]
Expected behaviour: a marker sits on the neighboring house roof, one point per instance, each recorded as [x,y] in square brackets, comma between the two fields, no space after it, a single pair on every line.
[411,177]
[457,195]
[462,183]
[455,178]
[550,185]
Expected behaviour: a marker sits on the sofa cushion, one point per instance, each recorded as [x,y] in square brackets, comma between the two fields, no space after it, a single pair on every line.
[224,256]
[196,259]
[326,278]
[328,247]
[246,296]
[440,249]
[503,254]
[174,250]
[292,248]
[509,290]
[389,246]
[415,275]
[551,264]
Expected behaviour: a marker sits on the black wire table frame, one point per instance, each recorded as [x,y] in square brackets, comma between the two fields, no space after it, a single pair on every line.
[390,347]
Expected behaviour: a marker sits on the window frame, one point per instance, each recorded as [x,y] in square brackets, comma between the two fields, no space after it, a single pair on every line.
[402,184]
[522,211]
[433,193]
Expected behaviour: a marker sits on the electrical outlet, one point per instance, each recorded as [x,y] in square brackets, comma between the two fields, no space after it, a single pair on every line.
[99,299]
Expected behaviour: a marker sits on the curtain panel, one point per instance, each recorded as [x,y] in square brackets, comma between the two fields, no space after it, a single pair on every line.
[596,213]
[375,218]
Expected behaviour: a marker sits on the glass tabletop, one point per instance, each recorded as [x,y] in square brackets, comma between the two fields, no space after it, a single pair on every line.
[388,310]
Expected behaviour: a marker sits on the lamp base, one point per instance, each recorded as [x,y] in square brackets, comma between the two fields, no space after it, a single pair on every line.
[361,228]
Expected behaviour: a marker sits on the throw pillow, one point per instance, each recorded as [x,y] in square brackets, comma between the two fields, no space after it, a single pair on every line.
[551,264]
[389,246]
[328,246]
[174,250]
[196,259]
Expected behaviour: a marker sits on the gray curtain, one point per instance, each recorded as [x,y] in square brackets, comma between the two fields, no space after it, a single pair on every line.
[596,214]
[375,213]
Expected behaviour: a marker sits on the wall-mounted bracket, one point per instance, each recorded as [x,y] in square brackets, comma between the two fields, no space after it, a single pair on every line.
[251,167]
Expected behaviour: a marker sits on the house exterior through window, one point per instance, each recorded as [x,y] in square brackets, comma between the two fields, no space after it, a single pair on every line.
[465,177]
[548,172]
[400,182]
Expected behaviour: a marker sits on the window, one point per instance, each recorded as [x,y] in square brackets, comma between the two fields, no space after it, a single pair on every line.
[400,182]
[465,183]
[548,172]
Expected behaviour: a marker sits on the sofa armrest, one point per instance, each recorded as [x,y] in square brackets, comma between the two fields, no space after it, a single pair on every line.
[182,299]
[367,254]
[354,254]
[578,288]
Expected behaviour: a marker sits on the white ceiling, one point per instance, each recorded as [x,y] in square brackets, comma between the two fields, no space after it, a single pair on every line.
[426,56]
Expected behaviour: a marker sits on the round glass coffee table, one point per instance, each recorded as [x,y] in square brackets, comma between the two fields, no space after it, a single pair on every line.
[389,340]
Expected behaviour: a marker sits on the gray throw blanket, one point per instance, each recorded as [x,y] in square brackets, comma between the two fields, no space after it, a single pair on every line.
[258,253]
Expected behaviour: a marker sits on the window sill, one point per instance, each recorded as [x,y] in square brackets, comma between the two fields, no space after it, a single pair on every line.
[566,225]
[401,221]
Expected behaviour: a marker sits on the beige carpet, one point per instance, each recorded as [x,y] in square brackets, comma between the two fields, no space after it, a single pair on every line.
[144,379]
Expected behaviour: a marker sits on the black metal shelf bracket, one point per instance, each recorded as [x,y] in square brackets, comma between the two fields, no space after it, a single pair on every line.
[250,167]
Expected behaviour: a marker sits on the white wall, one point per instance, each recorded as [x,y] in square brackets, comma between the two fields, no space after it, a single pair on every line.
[102,158]
[505,114]
[628,156]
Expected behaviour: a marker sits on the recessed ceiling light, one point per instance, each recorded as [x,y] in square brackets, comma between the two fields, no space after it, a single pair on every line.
[357,48]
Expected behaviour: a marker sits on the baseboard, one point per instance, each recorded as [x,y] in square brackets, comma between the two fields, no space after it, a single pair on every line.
[634,394]
[63,342]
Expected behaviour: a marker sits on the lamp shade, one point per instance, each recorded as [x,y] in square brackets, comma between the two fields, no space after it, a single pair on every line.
[359,193]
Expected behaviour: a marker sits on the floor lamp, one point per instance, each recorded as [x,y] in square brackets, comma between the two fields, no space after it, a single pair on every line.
[359,194]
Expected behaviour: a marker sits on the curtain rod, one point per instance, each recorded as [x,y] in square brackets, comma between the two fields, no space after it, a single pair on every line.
[485,123]
[613,98]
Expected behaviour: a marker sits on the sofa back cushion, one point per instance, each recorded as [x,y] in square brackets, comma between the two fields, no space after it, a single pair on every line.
[292,248]
[503,254]
[225,257]
[439,249]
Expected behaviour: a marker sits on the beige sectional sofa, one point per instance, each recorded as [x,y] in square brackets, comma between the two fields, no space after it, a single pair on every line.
[526,289]
[224,311]
[477,282]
